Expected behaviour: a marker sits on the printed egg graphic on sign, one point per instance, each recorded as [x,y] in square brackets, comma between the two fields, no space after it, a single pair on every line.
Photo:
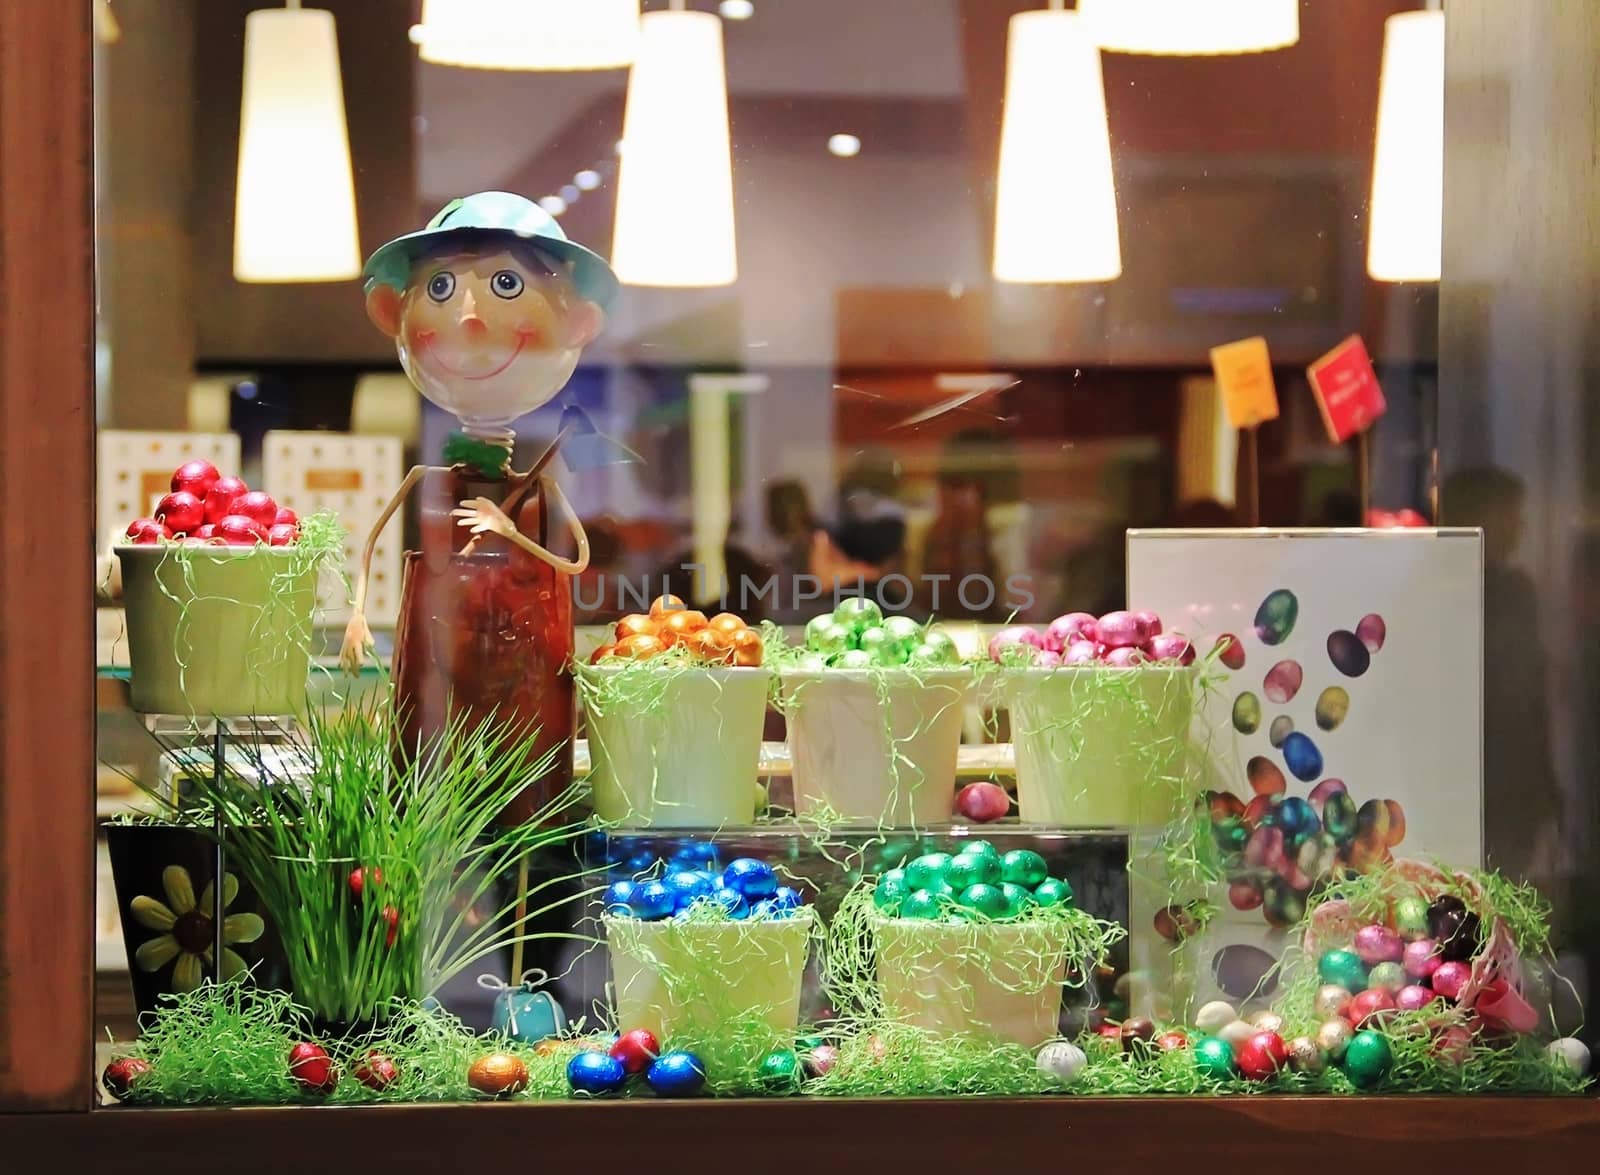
[1264,776]
[1349,656]
[1282,726]
[1301,756]
[1242,970]
[1372,631]
[1282,682]
[1232,650]
[1276,616]
[1246,713]
[1333,704]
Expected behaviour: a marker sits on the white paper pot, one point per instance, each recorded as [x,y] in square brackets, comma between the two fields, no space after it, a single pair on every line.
[882,756]
[687,977]
[222,631]
[682,752]
[1094,744]
[993,980]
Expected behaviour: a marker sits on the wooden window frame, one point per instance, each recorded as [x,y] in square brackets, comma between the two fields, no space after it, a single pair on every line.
[47,840]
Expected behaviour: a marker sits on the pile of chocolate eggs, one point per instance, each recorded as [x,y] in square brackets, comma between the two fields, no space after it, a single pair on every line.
[747,888]
[1256,1050]
[857,635]
[1117,640]
[1423,957]
[977,883]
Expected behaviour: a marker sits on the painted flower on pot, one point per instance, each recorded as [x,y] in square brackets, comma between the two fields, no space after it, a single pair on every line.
[186,929]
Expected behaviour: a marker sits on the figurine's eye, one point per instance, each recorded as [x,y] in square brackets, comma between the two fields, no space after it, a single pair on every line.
[441,285]
[507,283]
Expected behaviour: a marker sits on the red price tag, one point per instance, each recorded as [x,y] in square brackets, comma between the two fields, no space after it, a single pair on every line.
[1347,389]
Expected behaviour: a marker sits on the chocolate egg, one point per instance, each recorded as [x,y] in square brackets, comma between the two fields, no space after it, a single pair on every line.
[1389,977]
[1214,1016]
[1411,918]
[1236,1034]
[1136,1033]
[1261,1056]
[1306,1055]
[1367,1058]
[1449,978]
[1331,1000]
[1267,1021]
[1421,958]
[1458,931]
[1376,943]
[1334,1036]
[1571,1054]
[498,1074]
[1413,997]
[1062,1060]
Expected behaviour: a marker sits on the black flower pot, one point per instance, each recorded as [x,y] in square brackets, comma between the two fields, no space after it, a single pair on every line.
[163,874]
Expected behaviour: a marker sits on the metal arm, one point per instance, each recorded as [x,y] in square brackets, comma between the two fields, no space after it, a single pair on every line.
[357,636]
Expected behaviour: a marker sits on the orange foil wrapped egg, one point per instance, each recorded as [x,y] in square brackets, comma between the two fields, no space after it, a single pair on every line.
[498,1075]
[662,606]
[747,647]
[640,646]
[634,624]
[675,627]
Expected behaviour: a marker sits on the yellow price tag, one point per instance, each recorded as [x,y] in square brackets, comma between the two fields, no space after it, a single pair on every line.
[1244,373]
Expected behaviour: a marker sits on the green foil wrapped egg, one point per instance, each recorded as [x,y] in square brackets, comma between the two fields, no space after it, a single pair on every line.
[828,638]
[968,869]
[779,1071]
[1411,918]
[926,869]
[891,890]
[1367,1058]
[1213,1057]
[1021,896]
[1023,867]
[1343,968]
[922,906]
[988,900]
[858,614]
[882,647]
[855,659]
[1053,891]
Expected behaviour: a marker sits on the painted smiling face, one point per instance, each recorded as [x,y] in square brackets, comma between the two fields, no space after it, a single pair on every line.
[487,335]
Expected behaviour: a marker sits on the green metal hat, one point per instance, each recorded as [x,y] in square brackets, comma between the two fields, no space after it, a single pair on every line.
[492,213]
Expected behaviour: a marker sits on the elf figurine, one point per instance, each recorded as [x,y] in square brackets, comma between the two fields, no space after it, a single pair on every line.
[490,307]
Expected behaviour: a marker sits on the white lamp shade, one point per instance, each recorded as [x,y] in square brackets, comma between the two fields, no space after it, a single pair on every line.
[528,34]
[1192,27]
[675,184]
[295,207]
[1056,201]
[1405,238]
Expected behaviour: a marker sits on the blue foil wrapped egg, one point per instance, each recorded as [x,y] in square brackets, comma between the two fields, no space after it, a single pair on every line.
[676,1074]
[731,901]
[751,878]
[595,1073]
[687,885]
[652,901]
[788,898]
[618,898]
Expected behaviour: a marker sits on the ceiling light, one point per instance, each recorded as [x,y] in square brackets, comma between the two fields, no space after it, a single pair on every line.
[737,9]
[675,184]
[1192,27]
[587,180]
[1056,201]
[554,205]
[844,146]
[294,204]
[1405,235]
[528,34]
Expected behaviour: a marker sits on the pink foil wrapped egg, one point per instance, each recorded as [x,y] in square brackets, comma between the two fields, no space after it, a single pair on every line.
[1421,958]
[1450,978]
[1010,638]
[1081,653]
[1378,944]
[1151,623]
[1047,659]
[1121,630]
[1411,998]
[1125,657]
[1067,629]
[1171,646]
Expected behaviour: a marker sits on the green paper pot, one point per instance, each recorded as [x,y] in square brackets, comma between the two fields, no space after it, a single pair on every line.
[881,756]
[997,981]
[697,979]
[680,750]
[1098,747]
[222,631]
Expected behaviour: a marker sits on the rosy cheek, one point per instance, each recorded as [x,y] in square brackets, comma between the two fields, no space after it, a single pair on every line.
[531,334]
[417,339]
